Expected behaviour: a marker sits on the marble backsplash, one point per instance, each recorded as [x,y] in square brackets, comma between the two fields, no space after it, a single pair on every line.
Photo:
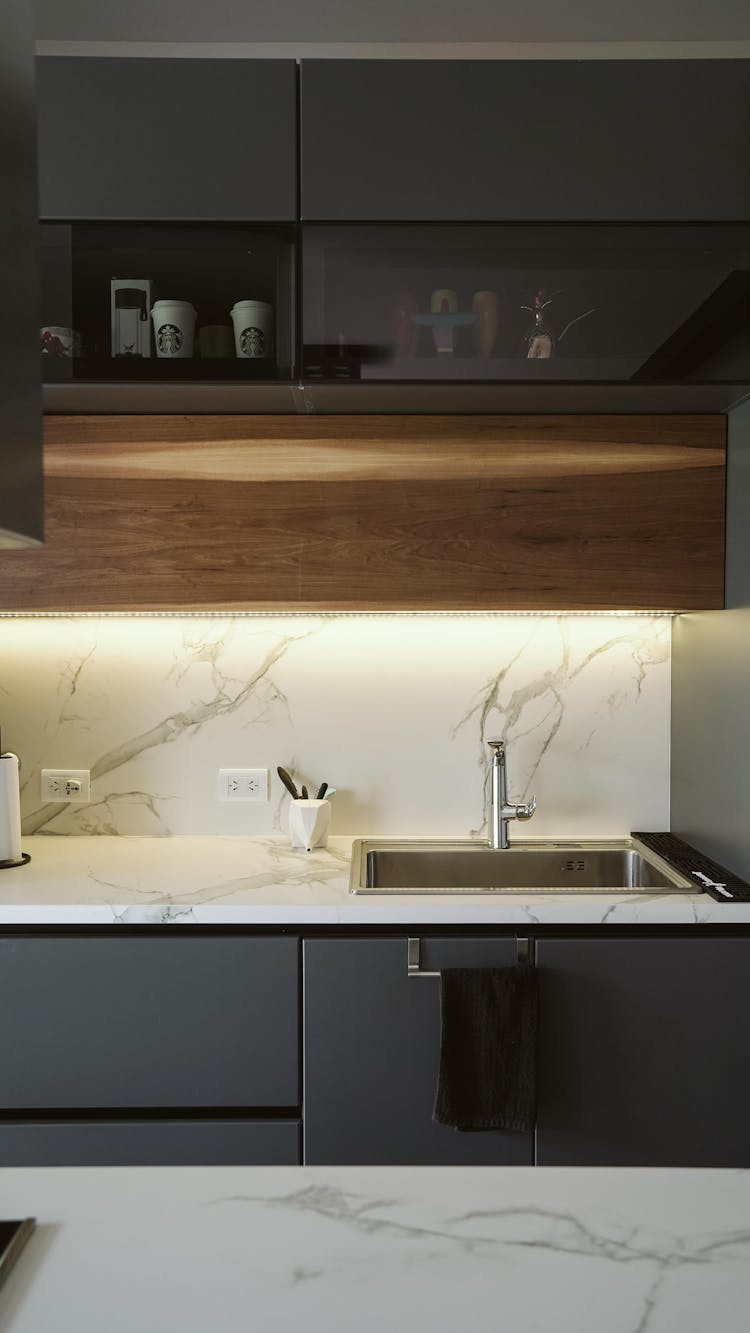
[393,711]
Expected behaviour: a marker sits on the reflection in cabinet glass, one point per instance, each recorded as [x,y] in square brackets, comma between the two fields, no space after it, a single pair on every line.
[100,282]
[649,304]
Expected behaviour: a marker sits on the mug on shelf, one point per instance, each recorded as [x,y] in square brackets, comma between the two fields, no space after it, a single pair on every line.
[174,327]
[57,340]
[253,328]
[215,340]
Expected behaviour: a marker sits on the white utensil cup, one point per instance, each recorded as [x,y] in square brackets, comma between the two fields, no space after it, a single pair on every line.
[308,823]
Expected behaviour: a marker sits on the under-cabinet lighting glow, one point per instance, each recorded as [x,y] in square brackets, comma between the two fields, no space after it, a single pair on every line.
[317,615]
[153,705]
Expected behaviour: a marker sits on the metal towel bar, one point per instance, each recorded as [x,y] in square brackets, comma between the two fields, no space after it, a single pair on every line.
[414,948]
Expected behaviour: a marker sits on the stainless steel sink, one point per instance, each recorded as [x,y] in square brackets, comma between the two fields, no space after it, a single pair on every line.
[382,865]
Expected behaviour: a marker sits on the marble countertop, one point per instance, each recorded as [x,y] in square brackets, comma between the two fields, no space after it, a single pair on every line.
[224,881]
[377,1248]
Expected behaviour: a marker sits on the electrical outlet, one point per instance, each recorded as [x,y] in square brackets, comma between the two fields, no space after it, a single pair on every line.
[66,784]
[242,784]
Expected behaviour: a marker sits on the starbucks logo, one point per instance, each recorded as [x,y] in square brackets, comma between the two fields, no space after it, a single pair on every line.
[169,339]
[253,342]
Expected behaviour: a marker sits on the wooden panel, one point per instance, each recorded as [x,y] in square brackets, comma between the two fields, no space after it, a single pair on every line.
[453,513]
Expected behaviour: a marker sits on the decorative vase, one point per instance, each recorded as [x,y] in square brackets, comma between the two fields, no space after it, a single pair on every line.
[486,308]
[404,332]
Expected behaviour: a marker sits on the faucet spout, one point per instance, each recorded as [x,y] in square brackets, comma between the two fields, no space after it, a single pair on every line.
[501,810]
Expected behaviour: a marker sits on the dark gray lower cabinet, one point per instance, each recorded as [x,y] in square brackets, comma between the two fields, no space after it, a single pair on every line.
[150,1143]
[149,1050]
[371,1055]
[643,1056]
[183,1049]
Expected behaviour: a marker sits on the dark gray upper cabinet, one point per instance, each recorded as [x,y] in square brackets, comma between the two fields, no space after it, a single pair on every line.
[614,140]
[164,140]
[21,499]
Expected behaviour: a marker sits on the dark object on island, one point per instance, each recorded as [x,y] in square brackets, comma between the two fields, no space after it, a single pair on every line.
[322,789]
[305,793]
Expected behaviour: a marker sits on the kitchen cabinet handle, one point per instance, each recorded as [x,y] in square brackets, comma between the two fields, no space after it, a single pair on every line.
[414,949]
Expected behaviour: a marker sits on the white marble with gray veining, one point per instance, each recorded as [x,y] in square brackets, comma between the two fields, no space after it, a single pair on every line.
[394,711]
[375,1249]
[229,882]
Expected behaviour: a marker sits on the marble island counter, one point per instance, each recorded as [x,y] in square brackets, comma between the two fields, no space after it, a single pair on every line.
[335,1249]
[261,881]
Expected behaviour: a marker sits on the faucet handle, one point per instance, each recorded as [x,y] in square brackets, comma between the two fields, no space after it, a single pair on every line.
[526,811]
[497,746]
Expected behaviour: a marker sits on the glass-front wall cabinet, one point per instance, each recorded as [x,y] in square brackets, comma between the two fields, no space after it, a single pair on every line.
[130,303]
[134,302]
[655,304]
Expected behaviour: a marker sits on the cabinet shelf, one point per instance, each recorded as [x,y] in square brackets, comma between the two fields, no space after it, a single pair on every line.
[509,370]
[153,370]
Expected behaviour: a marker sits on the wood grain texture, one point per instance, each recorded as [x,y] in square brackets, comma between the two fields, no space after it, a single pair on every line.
[367,448]
[377,513]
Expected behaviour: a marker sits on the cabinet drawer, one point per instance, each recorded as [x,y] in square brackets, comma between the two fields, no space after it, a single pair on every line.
[151,1143]
[138,1022]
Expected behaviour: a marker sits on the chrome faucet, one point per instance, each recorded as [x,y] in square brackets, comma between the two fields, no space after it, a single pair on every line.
[500,811]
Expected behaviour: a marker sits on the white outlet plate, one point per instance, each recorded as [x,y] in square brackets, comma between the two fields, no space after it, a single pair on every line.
[242,784]
[66,784]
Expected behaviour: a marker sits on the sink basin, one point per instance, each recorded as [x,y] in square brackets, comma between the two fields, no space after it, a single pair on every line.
[381,865]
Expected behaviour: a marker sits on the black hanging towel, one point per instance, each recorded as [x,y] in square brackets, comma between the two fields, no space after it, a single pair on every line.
[488,1034]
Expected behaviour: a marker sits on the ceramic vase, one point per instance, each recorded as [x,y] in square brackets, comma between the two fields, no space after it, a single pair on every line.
[404,333]
[485,307]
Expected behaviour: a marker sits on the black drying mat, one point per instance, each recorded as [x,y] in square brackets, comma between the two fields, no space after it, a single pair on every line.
[722,884]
